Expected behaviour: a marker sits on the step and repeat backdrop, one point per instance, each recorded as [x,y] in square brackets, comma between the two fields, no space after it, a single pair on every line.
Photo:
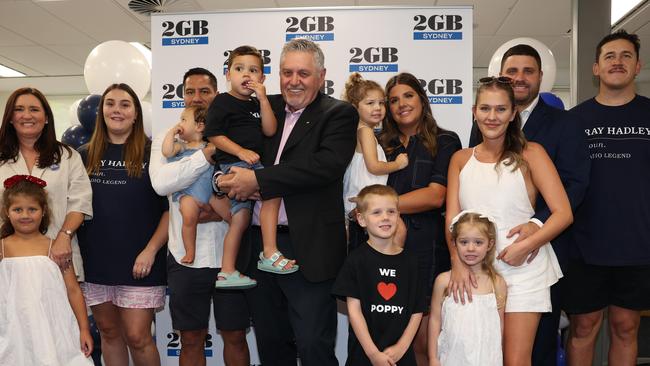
[433,43]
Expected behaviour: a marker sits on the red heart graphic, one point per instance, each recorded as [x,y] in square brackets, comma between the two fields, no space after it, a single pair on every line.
[386,290]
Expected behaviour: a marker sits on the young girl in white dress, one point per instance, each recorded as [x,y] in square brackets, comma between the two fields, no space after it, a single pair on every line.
[43,319]
[368,165]
[469,334]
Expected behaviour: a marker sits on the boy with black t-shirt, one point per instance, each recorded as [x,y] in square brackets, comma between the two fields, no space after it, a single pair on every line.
[380,283]
[236,125]
[610,263]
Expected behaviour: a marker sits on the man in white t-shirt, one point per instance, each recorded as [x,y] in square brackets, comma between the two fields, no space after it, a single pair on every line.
[191,287]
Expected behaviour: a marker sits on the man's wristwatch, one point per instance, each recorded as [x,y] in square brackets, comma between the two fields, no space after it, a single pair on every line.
[215,184]
[67,232]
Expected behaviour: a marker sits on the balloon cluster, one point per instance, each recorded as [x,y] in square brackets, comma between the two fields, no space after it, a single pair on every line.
[83,121]
[109,63]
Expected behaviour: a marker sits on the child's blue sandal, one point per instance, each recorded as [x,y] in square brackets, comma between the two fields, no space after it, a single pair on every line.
[268,264]
[233,281]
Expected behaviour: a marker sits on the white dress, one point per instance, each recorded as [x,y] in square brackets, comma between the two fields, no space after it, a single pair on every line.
[37,325]
[503,196]
[470,334]
[357,177]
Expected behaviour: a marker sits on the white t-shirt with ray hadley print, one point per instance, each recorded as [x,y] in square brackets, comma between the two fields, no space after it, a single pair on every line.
[612,226]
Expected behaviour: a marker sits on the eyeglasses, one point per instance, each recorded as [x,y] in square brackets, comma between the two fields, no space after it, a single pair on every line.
[495,79]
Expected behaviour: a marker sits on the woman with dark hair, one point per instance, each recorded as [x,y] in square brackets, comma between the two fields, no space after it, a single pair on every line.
[410,128]
[121,245]
[501,177]
[28,146]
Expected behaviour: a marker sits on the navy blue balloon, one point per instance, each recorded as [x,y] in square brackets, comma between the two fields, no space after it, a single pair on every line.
[552,100]
[87,111]
[76,136]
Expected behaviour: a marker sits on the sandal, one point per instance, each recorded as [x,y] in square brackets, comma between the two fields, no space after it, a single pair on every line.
[268,264]
[233,281]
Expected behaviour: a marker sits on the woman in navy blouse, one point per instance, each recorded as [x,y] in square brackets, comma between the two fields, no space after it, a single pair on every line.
[410,128]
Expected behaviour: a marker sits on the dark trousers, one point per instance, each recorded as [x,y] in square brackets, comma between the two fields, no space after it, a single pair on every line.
[290,314]
[545,346]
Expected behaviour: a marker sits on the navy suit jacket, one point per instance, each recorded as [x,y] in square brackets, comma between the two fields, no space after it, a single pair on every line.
[559,132]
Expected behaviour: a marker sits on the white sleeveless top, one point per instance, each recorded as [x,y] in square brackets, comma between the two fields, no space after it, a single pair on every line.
[503,196]
[470,334]
[37,325]
[357,177]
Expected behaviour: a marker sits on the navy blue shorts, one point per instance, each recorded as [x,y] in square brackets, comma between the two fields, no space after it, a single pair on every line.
[190,292]
[588,288]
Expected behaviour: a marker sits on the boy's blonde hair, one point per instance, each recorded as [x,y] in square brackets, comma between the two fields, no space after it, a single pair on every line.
[376,189]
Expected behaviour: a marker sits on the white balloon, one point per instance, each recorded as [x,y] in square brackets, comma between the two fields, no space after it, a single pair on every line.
[117,62]
[72,112]
[146,117]
[548,60]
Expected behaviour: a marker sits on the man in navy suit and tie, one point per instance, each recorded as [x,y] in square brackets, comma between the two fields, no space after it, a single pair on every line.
[559,132]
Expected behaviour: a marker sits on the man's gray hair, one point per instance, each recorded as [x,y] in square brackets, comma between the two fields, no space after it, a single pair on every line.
[304,45]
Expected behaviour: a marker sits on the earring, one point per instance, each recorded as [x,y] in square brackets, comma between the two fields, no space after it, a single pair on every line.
[46,121]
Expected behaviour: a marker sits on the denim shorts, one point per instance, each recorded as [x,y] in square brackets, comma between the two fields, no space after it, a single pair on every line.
[201,189]
[236,205]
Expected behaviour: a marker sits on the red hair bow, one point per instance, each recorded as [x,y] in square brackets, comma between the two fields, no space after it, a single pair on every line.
[11,181]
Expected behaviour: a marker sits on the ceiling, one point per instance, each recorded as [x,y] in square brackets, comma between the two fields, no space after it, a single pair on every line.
[49,40]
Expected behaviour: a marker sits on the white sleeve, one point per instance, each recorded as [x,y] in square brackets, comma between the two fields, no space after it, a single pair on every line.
[170,177]
[79,194]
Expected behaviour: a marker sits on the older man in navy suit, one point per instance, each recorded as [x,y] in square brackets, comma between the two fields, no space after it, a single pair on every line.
[304,164]
[559,133]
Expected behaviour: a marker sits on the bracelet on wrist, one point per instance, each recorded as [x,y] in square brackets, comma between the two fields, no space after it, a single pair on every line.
[215,184]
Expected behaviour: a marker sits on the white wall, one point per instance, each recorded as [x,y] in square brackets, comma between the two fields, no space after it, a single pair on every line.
[643,88]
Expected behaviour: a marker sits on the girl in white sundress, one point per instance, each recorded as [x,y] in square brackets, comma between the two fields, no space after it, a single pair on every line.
[469,334]
[43,319]
[368,165]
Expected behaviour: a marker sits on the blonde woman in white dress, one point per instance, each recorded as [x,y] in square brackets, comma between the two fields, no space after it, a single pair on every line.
[502,177]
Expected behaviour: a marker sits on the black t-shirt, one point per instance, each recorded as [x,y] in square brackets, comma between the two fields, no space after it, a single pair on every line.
[389,291]
[612,226]
[237,119]
[126,213]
